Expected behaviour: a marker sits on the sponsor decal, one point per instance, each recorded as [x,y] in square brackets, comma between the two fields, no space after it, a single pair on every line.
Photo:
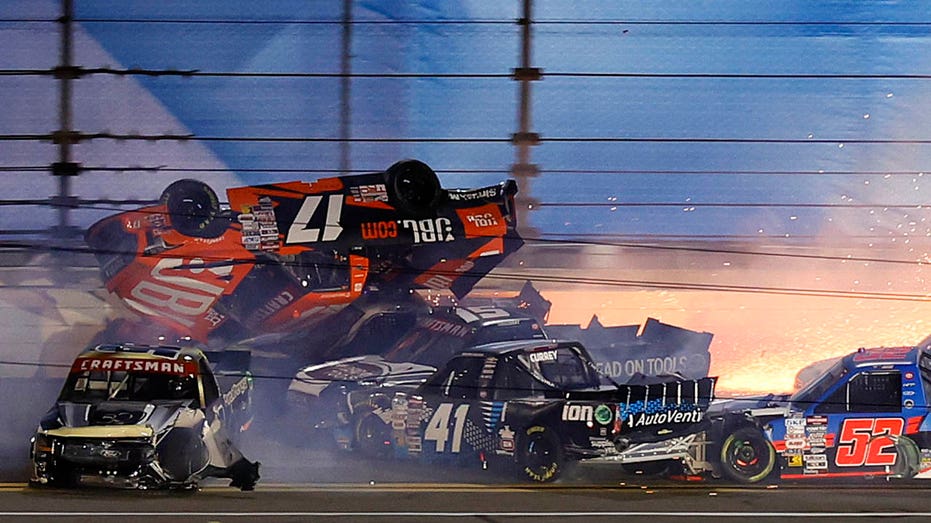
[271,307]
[259,229]
[214,318]
[482,220]
[115,418]
[647,366]
[477,194]
[883,353]
[663,418]
[110,453]
[379,230]
[430,230]
[577,412]
[180,289]
[443,274]
[505,440]
[794,460]
[795,433]
[238,389]
[546,355]
[815,462]
[445,327]
[133,365]
[485,221]
[369,193]
[603,414]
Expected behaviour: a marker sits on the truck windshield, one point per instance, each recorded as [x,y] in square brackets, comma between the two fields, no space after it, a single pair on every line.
[563,368]
[812,392]
[97,386]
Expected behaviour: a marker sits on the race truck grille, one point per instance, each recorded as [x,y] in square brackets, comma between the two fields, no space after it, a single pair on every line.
[86,451]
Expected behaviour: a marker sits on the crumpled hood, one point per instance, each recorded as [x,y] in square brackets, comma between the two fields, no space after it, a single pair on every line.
[159,417]
[313,379]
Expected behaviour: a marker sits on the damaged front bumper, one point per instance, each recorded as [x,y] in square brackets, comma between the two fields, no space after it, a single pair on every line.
[119,456]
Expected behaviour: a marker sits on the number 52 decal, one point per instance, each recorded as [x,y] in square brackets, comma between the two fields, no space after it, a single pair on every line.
[438,427]
[866,441]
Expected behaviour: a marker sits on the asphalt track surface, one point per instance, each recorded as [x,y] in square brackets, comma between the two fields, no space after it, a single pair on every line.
[435,501]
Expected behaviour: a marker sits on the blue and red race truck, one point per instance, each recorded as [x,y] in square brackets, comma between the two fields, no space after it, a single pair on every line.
[864,416]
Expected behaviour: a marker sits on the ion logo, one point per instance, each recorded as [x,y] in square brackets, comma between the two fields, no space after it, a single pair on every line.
[577,412]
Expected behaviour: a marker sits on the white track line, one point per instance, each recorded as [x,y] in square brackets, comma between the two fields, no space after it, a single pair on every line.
[741,515]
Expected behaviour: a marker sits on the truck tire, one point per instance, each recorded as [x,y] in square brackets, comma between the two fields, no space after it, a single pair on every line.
[908,458]
[413,187]
[540,456]
[192,208]
[371,435]
[747,456]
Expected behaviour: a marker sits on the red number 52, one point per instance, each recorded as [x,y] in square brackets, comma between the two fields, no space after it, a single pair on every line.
[865,441]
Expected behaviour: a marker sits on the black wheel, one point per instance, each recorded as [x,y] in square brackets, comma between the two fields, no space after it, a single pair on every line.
[372,436]
[540,455]
[192,207]
[413,187]
[182,453]
[908,458]
[747,456]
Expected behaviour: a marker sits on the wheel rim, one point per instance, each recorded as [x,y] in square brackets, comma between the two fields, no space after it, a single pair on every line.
[372,437]
[540,455]
[746,458]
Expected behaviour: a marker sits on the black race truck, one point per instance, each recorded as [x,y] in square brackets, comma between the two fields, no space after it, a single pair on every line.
[536,405]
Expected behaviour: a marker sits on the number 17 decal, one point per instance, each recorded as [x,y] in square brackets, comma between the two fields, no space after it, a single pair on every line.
[866,441]
[300,230]
[438,427]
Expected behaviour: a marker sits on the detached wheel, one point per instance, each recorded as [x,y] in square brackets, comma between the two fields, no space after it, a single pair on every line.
[372,436]
[413,187]
[540,455]
[192,206]
[747,456]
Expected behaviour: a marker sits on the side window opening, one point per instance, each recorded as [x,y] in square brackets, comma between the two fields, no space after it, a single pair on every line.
[866,392]
[876,392]
[512,381]
[460,379]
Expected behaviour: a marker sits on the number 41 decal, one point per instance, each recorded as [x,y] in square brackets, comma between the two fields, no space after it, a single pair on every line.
[438,427]
[299,232]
